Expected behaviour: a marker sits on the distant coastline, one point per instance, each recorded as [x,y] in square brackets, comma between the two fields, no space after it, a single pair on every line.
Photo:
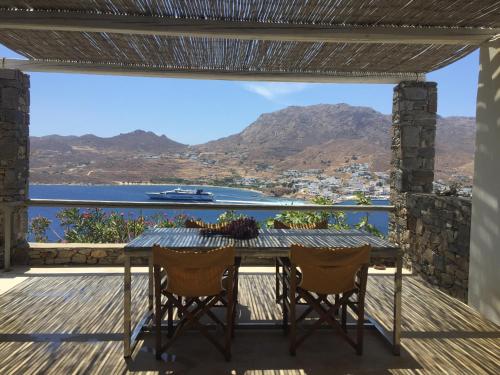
[344,198]
[153,184]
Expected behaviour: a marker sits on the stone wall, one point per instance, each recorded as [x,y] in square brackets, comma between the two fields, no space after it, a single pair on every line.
[14,151]
[49,254]
[433,231]
[437,240]
[412,149]
[77,254]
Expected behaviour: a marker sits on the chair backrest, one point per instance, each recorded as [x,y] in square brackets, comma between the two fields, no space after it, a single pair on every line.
[329,270]
[198,224]
[194,274]
[319,225]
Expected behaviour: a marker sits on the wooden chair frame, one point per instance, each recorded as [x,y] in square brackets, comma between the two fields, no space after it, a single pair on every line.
[191,309]
[326,310]
[280,263]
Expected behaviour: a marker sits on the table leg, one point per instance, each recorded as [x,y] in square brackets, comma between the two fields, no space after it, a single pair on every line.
[284,303]
[127,301]
[398,286]
[150,283]
[277,279]
[7,217]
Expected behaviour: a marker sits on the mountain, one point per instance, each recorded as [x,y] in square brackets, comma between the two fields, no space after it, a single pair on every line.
[328,135]
[325,136]
[136,141]
[455,145]
[130,157]
[291,130]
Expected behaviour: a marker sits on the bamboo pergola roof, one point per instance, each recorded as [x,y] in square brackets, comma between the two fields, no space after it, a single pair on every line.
[279,40]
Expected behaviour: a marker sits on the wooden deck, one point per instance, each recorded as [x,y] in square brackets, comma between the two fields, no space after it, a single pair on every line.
[65,323]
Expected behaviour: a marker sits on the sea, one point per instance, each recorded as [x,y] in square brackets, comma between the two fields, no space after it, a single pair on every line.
[137,193]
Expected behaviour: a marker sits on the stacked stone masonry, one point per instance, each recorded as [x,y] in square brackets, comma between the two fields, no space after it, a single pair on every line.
[436,240]
[14,151]
[413,136]
[95,254]
[433,231]
[78,254]
[412,150]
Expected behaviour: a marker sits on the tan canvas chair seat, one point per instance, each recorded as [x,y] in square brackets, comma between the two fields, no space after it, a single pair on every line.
[194,282]
[192,273]
[329,270]
[281,263]
[315,273]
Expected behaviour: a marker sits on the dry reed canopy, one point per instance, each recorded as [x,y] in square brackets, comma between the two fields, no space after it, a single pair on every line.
[390,12]
[224,55]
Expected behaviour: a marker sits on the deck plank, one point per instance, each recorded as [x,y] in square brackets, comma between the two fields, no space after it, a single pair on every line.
[72,323]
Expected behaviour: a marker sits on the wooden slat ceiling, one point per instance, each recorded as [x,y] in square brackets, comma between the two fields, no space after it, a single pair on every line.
[219,55]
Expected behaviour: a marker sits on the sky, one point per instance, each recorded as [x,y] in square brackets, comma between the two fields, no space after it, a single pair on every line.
[196,111]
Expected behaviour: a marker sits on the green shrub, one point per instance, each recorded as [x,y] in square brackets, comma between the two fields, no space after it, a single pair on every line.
[229,216]
[98,226]
[363,224]
[336,219]
[38,228]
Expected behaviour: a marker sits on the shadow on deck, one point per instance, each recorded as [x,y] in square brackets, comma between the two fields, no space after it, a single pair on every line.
[61,323]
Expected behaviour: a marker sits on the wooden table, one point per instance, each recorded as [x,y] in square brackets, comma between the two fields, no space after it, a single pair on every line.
[271,243]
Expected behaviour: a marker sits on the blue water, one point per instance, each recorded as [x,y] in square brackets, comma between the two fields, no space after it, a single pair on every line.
[136,193]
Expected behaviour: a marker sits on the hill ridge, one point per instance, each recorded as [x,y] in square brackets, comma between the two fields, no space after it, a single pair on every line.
[324,136]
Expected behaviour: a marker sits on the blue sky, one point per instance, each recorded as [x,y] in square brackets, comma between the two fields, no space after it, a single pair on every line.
[191,111]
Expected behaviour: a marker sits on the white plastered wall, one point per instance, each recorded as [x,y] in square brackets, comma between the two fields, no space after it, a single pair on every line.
[484,271]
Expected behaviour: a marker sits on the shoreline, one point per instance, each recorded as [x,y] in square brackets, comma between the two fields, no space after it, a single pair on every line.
[153,184]
[284,197]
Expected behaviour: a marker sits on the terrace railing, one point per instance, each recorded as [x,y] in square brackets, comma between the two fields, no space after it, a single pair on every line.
[9,207]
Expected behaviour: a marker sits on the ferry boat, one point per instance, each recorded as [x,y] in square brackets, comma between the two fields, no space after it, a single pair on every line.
[178,194]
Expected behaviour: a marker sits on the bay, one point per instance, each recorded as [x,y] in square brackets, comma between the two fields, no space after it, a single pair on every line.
[137,193]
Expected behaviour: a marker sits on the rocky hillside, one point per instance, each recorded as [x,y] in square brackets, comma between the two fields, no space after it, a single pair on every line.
[289,131]
[322,136]
[132,157]
[327,136]
[455,145]
[134,142]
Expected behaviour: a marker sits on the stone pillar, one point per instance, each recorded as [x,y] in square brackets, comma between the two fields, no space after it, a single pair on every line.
[14,152]
[484,266]
[413,135]
[412,160]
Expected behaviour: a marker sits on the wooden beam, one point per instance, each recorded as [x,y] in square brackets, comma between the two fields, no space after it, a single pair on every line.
[145,71]
[167,26]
